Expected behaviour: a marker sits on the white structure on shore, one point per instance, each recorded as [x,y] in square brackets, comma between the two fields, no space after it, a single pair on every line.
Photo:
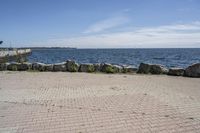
[10,53]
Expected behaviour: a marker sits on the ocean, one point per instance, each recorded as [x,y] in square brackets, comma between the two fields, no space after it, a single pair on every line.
[176,57]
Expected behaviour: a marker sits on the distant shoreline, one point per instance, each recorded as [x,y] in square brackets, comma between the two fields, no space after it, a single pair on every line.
[83,48]
[39,48]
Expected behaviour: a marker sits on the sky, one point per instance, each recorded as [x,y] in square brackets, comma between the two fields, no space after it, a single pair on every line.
[100,23]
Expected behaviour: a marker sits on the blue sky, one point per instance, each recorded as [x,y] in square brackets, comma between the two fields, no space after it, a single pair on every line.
[100,23]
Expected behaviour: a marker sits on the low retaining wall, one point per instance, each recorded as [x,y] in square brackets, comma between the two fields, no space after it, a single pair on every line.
[72,66]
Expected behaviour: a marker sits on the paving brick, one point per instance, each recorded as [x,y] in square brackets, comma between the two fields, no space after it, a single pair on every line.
[82,103]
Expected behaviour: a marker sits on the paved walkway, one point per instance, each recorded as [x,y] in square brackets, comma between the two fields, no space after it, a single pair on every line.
[48,102]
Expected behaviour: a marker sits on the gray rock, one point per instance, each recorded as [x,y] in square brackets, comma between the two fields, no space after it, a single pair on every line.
[38,66]
[129,69]
[118,68]
[144,68]
[108,68]
[72,66]
[193,70]
[158,69]
[60,67]
[86,68]
[98,67]
[13,66]
[3,66]
[7,63]
[152,68]
[176,71]
[24,66]
[49,67]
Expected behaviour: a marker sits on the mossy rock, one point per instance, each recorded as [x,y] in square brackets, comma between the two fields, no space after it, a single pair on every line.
[24,66]
[87,68]
[2,66]
[125,70]
[13,67]
[49,67]
[38,66]
[72,66]
[91,68]
[152,69]
[129,69]
[98,67]
[60,67]
[108,68]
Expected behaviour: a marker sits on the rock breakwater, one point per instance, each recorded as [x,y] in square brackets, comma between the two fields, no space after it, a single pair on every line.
[72,66]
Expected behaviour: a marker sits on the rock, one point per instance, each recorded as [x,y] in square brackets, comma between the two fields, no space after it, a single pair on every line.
[49,67]
[144,68]
[152,68]
[129,69]
[118,68]
[60,67]
[158,69]
[7,63]
[193,70]
[12,66]
[3,66]
[72,66]
[176,71]
[38,66]
[24,66]
[108,68]
[21,58]
[98,67]
[87,68]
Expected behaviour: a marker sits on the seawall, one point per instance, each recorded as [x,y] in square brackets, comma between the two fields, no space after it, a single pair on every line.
[13,53]
[71,66]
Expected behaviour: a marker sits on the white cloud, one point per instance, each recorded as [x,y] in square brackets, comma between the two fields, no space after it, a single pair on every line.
[107,24]
[195,26]
[167,36]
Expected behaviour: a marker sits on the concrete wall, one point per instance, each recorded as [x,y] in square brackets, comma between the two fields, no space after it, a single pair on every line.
[10,53]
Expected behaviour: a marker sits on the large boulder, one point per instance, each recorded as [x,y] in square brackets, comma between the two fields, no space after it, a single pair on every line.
[24,66]
[144,68]
[158,69]
[38,66]
[193,70]
[13,66]
[152,68]
[86,68]
[98,67]
[129,69]
[72,66]
[176,71]
[118,68]
[49,67]
[3,66]
[60,67]
[108,68]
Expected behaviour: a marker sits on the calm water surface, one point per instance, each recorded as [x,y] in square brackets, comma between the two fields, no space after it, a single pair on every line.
[167,57]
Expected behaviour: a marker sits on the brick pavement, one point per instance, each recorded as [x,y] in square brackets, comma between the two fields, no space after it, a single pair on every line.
[80,103]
